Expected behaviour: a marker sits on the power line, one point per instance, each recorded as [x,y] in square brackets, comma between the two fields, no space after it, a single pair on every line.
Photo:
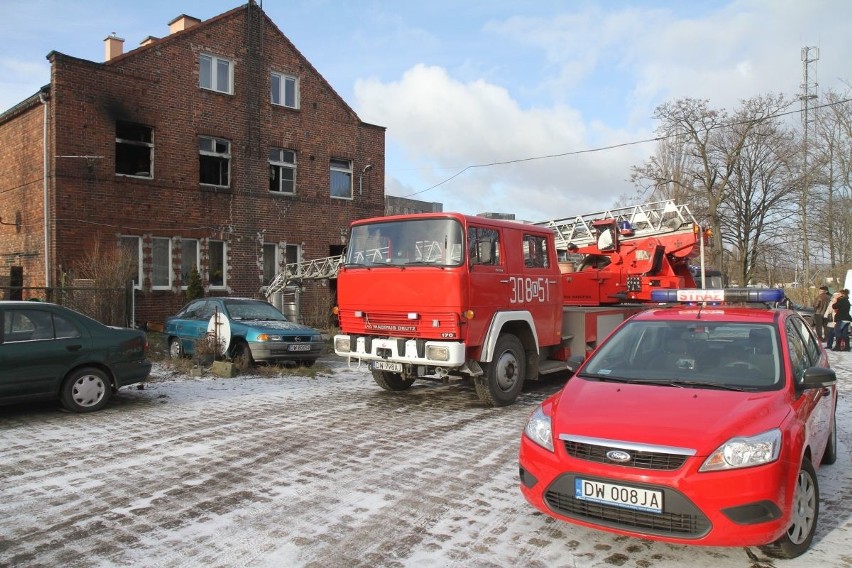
[611,147]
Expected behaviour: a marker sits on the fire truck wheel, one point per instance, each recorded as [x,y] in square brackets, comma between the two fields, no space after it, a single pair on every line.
[391,381]
[504,375]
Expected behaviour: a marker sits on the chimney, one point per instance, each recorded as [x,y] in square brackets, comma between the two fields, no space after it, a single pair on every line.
[182,22]
[114,46]
[148,41]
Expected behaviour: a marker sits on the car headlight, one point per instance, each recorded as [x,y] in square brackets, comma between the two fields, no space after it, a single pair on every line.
[538,429]
[267,337]
[745,452]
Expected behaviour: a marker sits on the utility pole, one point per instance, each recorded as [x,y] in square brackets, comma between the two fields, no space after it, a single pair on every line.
[810,55]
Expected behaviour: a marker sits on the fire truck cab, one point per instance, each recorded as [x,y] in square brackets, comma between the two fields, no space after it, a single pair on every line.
[445,294]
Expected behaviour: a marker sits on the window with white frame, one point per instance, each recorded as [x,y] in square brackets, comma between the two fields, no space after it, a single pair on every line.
[132,246]
[216,73]
[214,161]
[282,171]
[285,90]
[134,149]
[270,262]
[161,263]
[217,269]
[188,259]
[340,178]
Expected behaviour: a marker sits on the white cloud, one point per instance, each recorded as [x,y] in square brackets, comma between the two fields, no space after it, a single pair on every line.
[447,125]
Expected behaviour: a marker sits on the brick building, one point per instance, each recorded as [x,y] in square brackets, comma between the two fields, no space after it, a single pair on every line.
[218,146]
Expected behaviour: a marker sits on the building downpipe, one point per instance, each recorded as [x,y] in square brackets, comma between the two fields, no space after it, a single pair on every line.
[44,101]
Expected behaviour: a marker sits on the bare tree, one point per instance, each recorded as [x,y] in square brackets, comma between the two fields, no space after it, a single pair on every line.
[98,283]
[710,143]
[760,196]
[830,216]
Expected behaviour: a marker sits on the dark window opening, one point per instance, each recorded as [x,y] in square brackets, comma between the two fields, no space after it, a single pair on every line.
[134,149]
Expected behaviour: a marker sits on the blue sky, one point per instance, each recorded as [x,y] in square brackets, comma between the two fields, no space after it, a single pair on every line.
[464,83]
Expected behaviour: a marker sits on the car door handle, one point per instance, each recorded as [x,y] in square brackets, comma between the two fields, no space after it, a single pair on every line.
[73,347]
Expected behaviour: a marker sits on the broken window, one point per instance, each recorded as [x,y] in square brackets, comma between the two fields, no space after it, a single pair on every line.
[214,161]
[134,149]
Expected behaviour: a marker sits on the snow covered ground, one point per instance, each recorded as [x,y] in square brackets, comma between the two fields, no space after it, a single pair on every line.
[318,471]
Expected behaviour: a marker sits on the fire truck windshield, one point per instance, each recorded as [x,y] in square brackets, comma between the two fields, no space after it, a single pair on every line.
[412,242]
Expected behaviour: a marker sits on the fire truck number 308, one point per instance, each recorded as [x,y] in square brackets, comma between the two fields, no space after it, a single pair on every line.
[525,290]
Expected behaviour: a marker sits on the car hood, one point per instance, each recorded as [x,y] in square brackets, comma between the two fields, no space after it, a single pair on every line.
[266,326]
[700,419]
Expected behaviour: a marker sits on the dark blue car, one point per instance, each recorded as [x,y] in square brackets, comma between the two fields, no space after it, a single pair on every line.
[256,331]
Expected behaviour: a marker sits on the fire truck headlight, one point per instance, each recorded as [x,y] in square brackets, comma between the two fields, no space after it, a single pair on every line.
[437,353]
[341,344]
[538,429]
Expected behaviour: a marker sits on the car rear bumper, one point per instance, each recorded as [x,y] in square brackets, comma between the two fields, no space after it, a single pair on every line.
[130,372]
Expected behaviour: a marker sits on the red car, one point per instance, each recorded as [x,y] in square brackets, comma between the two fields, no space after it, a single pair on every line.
[698,423]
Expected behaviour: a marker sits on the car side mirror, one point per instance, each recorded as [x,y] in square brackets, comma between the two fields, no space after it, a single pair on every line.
[574,362]
[817,377]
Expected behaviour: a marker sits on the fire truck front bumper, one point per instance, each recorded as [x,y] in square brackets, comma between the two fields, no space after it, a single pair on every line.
[389,352]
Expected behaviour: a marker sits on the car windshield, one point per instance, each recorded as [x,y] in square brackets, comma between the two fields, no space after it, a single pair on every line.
[415,242]
[253,310]
[690,353]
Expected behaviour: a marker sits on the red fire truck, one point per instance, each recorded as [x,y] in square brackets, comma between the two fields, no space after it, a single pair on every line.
[446,295]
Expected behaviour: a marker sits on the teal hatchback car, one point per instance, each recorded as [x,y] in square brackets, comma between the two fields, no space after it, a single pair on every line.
[48,351]
[256,331]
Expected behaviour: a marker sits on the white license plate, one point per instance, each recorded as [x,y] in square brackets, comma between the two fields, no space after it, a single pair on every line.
[300,347]
[618,495]
[387,366]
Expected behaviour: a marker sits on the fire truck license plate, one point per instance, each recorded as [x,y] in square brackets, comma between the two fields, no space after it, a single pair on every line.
[300,347]
[618,495]
[387,366]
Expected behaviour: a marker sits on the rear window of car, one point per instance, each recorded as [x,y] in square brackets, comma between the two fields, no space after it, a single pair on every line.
[34,325]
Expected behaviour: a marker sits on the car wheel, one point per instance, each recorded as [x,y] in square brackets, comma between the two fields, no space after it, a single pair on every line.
[175,348]
[241,357]
[830,455]
[392,381]
[86,390]
[504,375]
[804,516]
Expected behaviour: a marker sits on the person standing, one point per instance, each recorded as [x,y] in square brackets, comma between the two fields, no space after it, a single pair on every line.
[820,305]
[842,319]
